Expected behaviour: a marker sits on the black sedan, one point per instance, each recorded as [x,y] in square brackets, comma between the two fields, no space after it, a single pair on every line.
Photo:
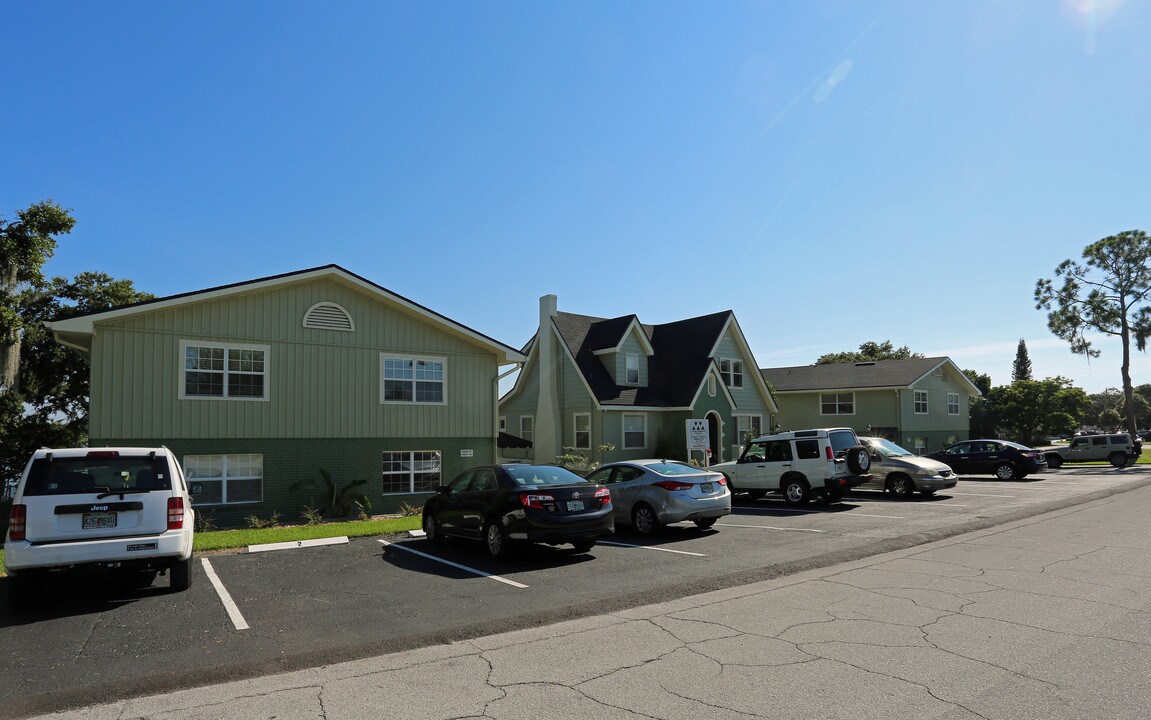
[519,502]
[1001,458]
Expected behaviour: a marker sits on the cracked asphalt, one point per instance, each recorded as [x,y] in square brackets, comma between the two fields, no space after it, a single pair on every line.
[1043,617]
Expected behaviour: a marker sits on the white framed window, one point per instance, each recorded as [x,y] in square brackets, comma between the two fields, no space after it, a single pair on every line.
[920,401]
[732,372]
[527,427]
[225,479]
[581,427]
[952,403]
[631,369]
[503,423]
[411,471]
[413,379]
[231,371]
[837,403]
[920,446]
[711,385]
[746,426]
[634,431]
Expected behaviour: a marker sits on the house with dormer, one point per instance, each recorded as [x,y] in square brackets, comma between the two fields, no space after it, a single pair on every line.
[591,382]
[921,404]
[259,385]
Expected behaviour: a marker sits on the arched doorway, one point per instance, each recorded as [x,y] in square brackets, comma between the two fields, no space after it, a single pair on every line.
[715,437]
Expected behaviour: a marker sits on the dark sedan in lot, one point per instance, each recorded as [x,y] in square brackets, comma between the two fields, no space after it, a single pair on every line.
[1004,459]
[502,504]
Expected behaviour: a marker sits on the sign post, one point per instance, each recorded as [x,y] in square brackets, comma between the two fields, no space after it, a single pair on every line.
[698,438]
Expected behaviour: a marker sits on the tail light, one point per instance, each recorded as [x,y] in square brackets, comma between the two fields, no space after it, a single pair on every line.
[103,453]
[534,500]
[604,496]
[829,452]
[672,485]
[18,522]
[722,479]
[175,513]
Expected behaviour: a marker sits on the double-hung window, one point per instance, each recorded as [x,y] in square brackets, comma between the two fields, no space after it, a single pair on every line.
[634,431]
[837,403]
[408,472]
[213,370]
[952,403]
[732,372]
[528,427]
[581,423]
[225,479]
[416,380]
[920,402]
[631,369]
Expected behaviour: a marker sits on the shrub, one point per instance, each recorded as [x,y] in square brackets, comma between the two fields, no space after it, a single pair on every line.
[205,521]
[338,503]
[312,515]
[258,523]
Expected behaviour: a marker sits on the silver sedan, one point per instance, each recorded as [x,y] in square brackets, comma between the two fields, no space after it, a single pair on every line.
[648,494]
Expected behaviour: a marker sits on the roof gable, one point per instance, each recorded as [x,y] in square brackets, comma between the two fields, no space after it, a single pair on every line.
[76,327]
[882,374]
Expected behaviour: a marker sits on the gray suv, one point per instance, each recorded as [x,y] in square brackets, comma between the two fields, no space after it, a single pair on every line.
[1117,449]
[799,464]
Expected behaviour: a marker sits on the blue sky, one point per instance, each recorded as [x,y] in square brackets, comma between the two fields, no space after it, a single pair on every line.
[833,171]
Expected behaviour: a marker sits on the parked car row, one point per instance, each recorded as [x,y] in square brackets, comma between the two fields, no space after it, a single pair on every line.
[500,504]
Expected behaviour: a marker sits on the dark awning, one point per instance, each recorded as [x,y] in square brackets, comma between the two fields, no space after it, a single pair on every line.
[506,441]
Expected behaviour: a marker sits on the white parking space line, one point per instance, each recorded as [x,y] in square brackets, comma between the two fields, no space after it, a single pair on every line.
[770,527]
[820,512]
[465,568]
[225,597]
[649,547]
[980,494]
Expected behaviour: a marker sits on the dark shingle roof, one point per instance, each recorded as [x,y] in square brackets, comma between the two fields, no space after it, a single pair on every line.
[851,376]
[676,369]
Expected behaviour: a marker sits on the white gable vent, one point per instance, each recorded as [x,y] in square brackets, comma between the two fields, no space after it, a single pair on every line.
[328,316]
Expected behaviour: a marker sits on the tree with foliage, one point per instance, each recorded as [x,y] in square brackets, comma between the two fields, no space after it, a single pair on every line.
[983,415]
[1021,368]
[25,245]
[1032,410]
[1108,294]
[869,352]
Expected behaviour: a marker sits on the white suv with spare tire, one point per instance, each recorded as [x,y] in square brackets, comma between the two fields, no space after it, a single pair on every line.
[800,463]
[122,510]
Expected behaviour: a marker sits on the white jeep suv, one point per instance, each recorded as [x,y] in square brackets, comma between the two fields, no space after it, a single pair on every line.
[121,509]
[800,463]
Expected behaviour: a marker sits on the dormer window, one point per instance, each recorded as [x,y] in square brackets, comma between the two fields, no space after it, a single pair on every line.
[732,372]
[328,316]
[631,369]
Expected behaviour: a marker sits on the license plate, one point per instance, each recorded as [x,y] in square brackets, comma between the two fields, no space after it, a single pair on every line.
[575,505]
[95,521]
[706,487]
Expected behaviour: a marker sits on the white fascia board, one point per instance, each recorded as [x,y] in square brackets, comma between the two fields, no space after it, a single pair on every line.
[741,341]
[843,390]
[714,371]
[972,390]
[522,378]
[85,324]
[642,408]
[567,353]
[633,327]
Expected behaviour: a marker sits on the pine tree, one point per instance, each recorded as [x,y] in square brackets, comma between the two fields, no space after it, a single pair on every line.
[1021,370]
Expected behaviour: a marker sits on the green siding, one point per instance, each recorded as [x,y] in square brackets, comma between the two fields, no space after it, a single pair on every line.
[287,462]
[319,383]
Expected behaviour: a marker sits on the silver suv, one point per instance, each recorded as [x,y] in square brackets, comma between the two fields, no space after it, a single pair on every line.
[800,463]
[120,509]
[1117,449]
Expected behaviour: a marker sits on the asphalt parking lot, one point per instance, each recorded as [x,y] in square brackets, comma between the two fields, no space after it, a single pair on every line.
[252,613]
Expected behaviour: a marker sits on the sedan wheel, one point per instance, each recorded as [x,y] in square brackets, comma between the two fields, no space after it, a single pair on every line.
[643,519]
[432,529]
[1006,471]
[494,539]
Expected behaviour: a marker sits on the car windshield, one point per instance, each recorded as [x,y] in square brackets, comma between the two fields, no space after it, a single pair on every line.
[887,448]
[1015,445]
[542,475]
[97,473]
[673,468]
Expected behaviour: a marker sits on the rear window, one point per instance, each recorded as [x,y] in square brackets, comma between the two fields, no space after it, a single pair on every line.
[71,475]
[669,468]
[543,475]
[842,441]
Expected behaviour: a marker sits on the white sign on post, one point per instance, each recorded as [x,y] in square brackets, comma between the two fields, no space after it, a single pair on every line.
[697,435]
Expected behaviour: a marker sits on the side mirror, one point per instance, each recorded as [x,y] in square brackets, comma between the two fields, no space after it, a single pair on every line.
[196,489]
[444,490]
